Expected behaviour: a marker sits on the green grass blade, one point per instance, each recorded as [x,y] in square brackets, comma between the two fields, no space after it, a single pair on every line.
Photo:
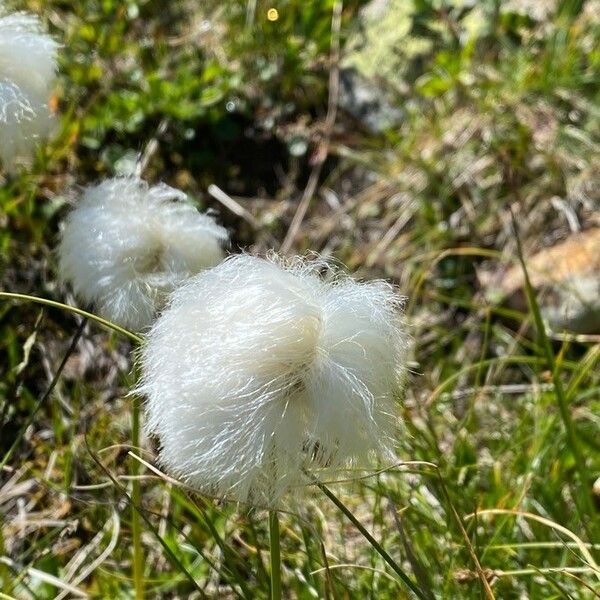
[136,500]
[275,555]
[374,543]
[173,559]
[585,477]
[46,395]
[72,309]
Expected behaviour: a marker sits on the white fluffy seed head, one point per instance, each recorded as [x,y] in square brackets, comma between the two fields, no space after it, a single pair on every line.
[27,72]
[261,369]
[126,246]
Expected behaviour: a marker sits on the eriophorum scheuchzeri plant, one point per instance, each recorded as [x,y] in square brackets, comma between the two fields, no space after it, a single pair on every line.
[260,373]
[27,73]
[261,370]
[127,245]
[124,247]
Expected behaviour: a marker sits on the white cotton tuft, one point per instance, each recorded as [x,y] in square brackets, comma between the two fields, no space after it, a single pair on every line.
[27,72]
[127,245]
[260,369]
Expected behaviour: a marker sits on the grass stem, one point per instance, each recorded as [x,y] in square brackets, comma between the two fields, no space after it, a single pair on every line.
[374,543]
[561,397]
[73,309]
[275,555]
[136,497]
[46,395]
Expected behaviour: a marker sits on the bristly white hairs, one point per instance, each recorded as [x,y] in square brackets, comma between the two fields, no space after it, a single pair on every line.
[126,245]
[260,369]
[27,73]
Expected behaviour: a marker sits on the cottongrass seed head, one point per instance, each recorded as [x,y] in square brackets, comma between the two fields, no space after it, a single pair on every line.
[27,73]
[260,369]
[126,245]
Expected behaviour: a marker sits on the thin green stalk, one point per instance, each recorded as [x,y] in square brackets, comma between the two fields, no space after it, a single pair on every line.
[487,589]
[229,554]
[421,574]
[275,555]
[561,397]
[3,567]
[309,559]
[261,570]
[172,557]
[586,366]
[227,569]
[136,497]
[78,311]
[378,547]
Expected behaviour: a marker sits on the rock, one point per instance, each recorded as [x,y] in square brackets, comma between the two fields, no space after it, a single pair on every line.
[538,10]
[382,46]
[566,278]
[367,102]
[376,58]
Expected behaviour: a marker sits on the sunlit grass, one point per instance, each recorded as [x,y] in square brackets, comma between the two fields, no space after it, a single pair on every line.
[501,424]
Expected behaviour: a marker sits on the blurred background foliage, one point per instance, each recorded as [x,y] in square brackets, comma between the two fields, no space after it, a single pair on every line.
[449,114]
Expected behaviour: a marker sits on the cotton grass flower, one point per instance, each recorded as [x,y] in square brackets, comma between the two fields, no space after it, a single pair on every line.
[260,369]
[127,245]
[27,72]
